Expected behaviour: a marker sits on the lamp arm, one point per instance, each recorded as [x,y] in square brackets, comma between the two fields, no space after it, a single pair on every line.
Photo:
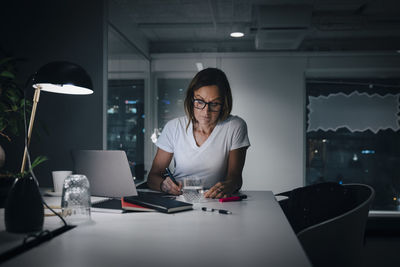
[28,139]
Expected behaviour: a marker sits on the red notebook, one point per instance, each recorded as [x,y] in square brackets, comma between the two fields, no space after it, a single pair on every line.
[135,207]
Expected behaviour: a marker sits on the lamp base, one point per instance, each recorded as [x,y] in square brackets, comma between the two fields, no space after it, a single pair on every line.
[24,208]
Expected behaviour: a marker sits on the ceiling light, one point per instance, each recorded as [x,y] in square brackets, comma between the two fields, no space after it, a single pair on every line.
[237,31]
[237,34]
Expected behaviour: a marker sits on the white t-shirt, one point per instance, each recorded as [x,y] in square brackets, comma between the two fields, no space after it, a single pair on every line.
[210,160]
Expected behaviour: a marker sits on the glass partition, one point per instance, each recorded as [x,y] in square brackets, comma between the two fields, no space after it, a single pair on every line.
[128,76]
[353,136]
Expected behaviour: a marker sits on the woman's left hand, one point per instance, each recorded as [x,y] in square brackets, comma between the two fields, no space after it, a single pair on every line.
[221,190]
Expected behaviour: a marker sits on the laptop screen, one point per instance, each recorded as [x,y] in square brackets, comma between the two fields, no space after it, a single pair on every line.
[108,172]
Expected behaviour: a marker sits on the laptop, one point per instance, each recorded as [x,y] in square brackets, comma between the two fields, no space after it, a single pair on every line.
[108,172]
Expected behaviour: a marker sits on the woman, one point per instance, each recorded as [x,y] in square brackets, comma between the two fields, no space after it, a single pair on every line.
[208,142]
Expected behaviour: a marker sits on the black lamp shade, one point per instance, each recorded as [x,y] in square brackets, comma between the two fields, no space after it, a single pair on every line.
[63,77]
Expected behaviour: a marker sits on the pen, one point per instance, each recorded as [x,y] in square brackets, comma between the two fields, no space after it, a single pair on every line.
[236,198]
[171,176]
[220,211]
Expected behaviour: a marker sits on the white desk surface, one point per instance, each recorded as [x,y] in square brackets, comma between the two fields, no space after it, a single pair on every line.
[256,234]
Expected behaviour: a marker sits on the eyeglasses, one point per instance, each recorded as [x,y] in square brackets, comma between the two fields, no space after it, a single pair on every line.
[212,106]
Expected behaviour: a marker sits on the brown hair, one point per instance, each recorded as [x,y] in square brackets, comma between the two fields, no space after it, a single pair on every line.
[207,77]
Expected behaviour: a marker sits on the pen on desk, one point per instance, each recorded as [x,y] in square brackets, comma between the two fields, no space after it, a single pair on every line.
[219,210]
[235,198]
[171,176]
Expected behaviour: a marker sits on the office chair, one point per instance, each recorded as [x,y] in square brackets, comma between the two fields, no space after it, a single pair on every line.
[329,220]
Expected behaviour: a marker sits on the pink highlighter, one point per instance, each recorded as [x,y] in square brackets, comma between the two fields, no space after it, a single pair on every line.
[236,198]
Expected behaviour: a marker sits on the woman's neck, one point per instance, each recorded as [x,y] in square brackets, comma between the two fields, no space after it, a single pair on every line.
[204,129]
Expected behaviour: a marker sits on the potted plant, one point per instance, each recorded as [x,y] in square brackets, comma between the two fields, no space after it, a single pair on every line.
[11,118]
[11,101]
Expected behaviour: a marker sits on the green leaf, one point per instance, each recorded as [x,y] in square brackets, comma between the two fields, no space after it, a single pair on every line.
[34,164]
[10,93]
[13,128]
[7,74]
[38,160]
[6,59]
[13,97]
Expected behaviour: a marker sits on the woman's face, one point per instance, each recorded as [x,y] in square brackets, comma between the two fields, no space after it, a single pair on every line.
[210,113]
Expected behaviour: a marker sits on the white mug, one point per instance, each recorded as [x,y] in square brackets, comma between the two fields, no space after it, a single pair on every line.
[58,179]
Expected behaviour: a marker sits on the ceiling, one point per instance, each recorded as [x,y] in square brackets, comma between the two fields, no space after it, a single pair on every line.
[171,26]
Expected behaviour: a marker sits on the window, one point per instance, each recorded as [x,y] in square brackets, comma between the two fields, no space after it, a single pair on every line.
[353,136]
[171,97]
[125,120]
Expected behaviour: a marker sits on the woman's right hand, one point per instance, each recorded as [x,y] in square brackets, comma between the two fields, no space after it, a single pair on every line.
[168,186]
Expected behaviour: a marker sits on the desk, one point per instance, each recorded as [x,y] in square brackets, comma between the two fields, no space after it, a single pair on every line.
[256,234]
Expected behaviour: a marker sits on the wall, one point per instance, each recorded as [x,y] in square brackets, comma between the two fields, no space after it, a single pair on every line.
[269,93]
[268,88]
[46,31]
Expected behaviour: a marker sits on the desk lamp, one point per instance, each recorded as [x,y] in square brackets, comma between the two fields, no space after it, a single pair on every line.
[24,209]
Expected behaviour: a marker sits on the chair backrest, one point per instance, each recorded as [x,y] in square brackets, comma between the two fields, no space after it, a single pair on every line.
[338,241]
[312,204]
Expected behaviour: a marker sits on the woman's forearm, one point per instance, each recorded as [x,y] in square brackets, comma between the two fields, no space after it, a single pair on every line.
[160,162]
[236,181]
[154,181]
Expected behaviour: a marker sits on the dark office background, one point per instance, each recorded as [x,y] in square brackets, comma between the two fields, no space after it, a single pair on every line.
[44,31]
[39,32]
